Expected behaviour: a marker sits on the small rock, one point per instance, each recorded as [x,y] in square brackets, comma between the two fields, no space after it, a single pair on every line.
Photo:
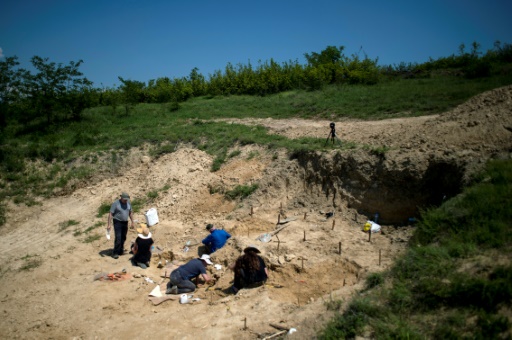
[289,257]
[137,275]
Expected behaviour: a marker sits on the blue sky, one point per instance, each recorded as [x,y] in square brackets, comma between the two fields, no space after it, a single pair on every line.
[143,40]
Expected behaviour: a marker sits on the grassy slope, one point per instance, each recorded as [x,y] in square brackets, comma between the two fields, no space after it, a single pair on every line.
[38,161]
[455,281]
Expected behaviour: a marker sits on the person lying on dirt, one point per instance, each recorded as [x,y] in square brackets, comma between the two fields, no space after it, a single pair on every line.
[181,277]
[141,248]
[216,240]
[250,270]
[119,213]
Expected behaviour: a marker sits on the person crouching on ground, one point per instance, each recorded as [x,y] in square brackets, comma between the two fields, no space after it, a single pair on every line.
[181,277]
[216,240]
[142,249]
[119,213]
[250,270]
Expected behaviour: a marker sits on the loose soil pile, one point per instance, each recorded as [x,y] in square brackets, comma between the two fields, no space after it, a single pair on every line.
[49,286]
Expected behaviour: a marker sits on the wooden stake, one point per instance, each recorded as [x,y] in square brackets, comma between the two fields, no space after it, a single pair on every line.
[333,223]
[281,328]
[245,323]
[305,215]
[370,235]
[304,235]
[343,282]
[252,212]
[380,253]
[298,296]
[276,334]
[278,218]
[339,248]
[278,242]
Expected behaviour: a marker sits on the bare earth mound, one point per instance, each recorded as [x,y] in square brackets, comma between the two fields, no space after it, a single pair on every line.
[48,287]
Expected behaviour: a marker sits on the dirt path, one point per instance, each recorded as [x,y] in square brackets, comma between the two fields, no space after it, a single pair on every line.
[58,297]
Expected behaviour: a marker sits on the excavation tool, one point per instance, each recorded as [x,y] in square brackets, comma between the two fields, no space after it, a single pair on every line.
[268,236]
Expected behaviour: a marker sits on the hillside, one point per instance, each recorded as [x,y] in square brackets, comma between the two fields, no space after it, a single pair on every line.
[48,269]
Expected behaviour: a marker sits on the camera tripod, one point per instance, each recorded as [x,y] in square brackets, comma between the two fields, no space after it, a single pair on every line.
[332,135]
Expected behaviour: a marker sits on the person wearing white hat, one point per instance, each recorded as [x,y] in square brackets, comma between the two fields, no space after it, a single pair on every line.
[181,277]
[142,248]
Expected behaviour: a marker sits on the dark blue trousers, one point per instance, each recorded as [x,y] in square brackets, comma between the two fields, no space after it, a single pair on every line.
[184,286]
[120,230]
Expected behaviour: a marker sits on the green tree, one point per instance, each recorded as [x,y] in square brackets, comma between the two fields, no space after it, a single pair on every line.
[159,90]
[197,82]
[78,99]
[132,90]
[111,97]
[329,60]
[48,88]
[330,56]
[10,85]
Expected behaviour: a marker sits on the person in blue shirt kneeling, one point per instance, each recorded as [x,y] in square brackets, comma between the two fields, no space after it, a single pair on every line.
[216,240]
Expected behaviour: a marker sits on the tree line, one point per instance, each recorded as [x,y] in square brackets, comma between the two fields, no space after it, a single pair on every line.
[57,92]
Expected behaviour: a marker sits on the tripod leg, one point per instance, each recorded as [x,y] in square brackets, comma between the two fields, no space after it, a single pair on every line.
[338,139]
[327,140]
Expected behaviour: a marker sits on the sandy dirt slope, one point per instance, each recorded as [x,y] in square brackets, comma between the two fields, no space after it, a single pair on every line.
[58,297]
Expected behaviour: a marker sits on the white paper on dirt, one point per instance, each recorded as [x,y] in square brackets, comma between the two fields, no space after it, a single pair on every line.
[156,292]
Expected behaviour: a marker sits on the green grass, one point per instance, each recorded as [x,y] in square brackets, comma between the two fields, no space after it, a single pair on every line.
[103,209]
[3,211]
[66,224]
[138,204]
[234,153]
[448,284]
[333,304]
[252,154]
[153,194]
[93,227]
[240,191]
[411,97]
[75,151]
[31,262]
[92,238]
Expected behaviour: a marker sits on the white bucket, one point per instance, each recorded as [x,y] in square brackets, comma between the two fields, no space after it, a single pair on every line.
[184,298]
[151,217]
